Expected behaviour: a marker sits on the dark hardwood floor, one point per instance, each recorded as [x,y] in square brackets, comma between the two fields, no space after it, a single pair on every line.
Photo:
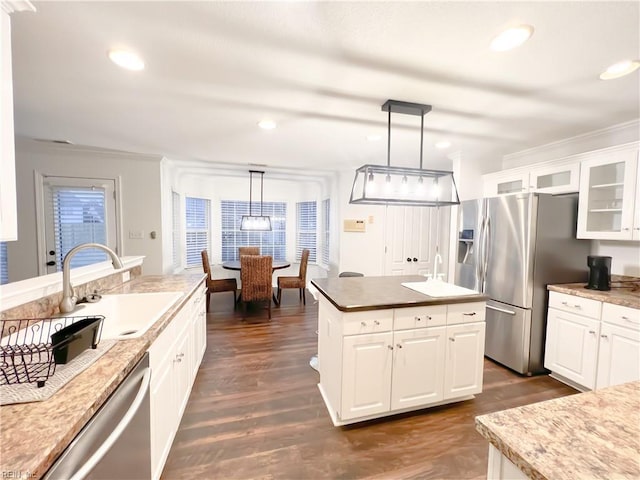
[255,411]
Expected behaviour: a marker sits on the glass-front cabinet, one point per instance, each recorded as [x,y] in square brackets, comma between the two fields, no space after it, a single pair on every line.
[608,197]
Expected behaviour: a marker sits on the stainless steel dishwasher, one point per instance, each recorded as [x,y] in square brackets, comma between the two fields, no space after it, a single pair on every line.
[116,441]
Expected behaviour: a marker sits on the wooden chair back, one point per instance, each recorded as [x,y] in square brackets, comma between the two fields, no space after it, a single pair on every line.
[205,264]
[248,251]
[304,261]
[256,277]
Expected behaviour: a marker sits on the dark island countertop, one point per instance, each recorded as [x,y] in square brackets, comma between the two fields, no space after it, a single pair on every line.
[357,294]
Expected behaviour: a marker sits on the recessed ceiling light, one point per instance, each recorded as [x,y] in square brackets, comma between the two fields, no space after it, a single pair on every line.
[126,59]
[443,144]
[620,69]
[374,138]
[511,38]
[267,124]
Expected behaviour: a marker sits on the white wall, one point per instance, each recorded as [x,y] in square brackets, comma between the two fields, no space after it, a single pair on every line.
[625,256]
[139,177]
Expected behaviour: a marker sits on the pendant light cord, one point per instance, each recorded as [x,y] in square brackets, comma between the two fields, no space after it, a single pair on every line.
[250,191]
[389,139]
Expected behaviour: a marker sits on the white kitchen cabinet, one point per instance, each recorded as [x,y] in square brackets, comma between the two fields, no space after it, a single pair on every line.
[366,379]
[172,358]
[592,344]
[505,182]
[418,367]
[560,177]
[572,347]
[636,210]
[380,362]
[8,209]
[463,372]
[608,195]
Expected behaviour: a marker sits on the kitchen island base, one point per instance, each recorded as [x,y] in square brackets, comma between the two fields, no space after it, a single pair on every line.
[391,358]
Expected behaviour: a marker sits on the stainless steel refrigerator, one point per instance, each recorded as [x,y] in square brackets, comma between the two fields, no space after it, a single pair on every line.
[511,248]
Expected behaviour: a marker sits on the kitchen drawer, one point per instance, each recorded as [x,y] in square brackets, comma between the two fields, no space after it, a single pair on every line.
[418,317]
[466,312]
[373,321]
[623,316]
[573,304]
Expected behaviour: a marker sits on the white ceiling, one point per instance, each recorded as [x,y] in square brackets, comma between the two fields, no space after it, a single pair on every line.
[321,70]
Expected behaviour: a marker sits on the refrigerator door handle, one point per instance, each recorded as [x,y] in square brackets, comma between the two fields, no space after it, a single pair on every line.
[509,312]
[479,250]
[485,251]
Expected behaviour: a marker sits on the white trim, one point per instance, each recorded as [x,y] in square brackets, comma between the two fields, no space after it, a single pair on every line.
[11,6]
[621,133]
[18,293]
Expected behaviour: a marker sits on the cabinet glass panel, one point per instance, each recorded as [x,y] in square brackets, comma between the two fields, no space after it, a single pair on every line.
[510,187]
[606,188]
[557,179]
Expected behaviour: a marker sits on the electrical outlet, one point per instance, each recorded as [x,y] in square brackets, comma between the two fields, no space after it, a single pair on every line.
[126,276]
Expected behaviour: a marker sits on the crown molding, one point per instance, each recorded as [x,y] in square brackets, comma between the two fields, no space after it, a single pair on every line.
[11,6]
[618,134]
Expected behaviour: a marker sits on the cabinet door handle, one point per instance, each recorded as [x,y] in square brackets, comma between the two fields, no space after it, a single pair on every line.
[415,259]
[390,347]
[428,317]
[625,229]
[180,355]
[469,314]
[418,319]
[364,324]
[376,322]
[408,259]
[592,332]
[452,339]
[398,345]
[604,336]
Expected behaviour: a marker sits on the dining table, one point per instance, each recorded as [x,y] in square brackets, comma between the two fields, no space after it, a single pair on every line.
[276,265]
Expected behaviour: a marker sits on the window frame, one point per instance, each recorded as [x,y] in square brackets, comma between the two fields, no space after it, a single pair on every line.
[192,257]
[307,229]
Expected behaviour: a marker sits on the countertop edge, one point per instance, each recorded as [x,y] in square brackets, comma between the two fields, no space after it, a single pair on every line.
[615,297]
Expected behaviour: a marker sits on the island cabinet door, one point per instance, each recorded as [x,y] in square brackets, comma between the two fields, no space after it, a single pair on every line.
[366,374]
[619,356]
[571,348]
[418,367]
[464,360]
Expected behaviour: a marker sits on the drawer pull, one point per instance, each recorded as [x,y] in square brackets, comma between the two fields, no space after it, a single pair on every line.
[428,317]
[630,320]
[376,322]
[604,336]
[417,319]
[566,304]
[592,332]
[452,339]
[363,324]
[469,314]
[398,345]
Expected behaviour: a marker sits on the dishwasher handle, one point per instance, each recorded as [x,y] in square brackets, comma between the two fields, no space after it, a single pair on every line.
[115,434]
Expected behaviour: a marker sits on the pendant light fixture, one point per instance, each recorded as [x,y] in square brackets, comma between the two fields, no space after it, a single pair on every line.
[260,222]
[387,185]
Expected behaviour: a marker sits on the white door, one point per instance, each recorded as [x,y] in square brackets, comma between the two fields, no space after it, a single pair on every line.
[77,210]
[366,374]
[418,367]
[619,356]
[572,347]
[464,360]
[410,240]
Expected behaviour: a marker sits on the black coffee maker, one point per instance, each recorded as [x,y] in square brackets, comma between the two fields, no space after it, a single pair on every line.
[599,273]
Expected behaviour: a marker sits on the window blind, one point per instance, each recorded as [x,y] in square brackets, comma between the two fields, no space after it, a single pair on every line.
[306,229]
[325,231]
[4,265]
[175,204]
[272,243]
[197,229]
[78,217]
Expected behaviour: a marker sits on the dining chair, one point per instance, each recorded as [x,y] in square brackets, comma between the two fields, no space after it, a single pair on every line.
[256,277]
[218,284]
[299,282]
[248,251]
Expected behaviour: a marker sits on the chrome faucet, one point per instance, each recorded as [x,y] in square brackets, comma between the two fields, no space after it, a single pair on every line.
[69,300]
[437,260]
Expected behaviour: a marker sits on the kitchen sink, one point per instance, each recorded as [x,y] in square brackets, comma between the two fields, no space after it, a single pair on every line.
[438,288]
[128,315]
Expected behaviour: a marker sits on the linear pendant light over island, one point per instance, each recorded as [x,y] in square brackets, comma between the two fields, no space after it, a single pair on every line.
[260,222]
[387,185]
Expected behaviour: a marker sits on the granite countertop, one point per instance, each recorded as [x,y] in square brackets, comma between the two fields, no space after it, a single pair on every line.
[354,294]
[624,291]
[34,434]
[593,435]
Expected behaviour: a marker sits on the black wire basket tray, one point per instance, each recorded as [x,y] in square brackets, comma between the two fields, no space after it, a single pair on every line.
[30,348]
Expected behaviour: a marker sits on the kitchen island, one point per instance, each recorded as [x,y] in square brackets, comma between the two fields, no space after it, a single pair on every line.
[34,434]
[594,435]
[384,348]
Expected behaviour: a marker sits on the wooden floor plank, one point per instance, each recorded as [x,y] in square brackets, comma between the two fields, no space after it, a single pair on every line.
[255,412]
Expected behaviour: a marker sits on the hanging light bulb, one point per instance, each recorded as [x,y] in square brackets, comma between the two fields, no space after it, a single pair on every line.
[371,184]
[404,185]
[420,190]
[388,188]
